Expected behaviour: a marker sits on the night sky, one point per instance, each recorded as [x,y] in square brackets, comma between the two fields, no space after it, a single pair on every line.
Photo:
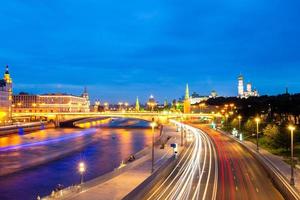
[123,49]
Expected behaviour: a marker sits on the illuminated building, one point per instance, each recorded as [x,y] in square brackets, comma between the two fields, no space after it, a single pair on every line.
[213,94]
[137,104]
[96,107]
[249,92]
[240,86]
[151,104]
[51,103]
[5,98]
[187,101]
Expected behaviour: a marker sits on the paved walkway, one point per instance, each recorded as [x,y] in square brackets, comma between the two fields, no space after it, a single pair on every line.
[278,163]
[119,186]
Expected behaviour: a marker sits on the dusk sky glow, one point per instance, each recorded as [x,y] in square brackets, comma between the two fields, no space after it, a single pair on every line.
[123,49]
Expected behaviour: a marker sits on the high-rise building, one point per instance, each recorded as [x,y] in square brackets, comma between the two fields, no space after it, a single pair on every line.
[6,98]
[187,101]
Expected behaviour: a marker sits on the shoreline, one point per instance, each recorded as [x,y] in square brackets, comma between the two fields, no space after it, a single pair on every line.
[141,157]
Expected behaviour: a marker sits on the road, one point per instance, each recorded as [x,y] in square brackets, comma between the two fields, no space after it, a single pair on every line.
[240,174]
[195,175]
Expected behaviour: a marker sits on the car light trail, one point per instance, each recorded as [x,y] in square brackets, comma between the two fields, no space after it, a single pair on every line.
[186,181]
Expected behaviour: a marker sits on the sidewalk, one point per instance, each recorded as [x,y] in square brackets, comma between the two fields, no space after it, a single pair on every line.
[119,186]
[278,163]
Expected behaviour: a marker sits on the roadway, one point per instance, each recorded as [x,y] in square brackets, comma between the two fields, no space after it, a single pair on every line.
[240,174]
[195,175]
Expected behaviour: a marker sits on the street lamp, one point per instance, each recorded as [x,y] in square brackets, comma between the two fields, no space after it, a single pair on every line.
[153,125]
[181,131]
[240,118]
[257,120]
[292,129]
[226,120]
[126,105]
[81,169]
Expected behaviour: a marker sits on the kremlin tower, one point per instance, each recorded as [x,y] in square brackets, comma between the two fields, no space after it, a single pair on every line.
[187,101]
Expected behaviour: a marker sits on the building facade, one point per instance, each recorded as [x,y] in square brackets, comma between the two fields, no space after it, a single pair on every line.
[249,92]
[51,103]
[6,98]
[151,104]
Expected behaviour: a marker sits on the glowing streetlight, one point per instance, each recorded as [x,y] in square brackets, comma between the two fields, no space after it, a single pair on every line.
[153,125]
[231,106]
[257,120]
[292,129]
[240,118]
[81,170]
[181,130]
[226,120]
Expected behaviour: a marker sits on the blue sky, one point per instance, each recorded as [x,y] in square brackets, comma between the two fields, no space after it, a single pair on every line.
[123,49]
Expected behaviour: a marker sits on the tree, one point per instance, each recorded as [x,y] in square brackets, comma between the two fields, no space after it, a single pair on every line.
[250,127]
[271,131]
[235,123]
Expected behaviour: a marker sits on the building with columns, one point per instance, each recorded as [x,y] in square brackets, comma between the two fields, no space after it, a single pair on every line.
[6,98]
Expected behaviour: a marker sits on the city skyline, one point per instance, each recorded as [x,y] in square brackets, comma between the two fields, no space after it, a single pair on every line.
[150,48]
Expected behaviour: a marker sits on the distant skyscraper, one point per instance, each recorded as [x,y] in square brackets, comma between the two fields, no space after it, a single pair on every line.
[187,101]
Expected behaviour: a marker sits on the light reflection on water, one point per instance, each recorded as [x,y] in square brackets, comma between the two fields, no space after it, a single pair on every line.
[11,140]
[111,146]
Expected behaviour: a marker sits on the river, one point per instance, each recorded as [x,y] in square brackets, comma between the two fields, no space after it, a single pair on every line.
[110,147]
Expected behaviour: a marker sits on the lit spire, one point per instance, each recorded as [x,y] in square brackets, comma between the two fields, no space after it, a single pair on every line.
[6,70]
[187,92]
[7,77]
[137,104]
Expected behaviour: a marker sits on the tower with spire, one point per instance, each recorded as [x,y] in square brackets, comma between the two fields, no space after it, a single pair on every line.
[240,85]
[85,95]
[187,101]
[137,104]
[6,97]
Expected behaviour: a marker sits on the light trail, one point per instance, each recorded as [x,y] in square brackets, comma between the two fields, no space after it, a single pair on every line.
[193,174]
[45,142]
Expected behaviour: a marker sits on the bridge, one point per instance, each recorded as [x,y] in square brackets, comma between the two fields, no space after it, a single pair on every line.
[158,116]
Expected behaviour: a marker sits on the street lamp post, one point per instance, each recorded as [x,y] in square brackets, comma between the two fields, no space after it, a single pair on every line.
[181,132]
[292,129]
[153,125]
[226,120]
[81,169]
[257,120]
[240,118]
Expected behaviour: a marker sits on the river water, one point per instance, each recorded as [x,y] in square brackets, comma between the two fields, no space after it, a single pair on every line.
[111,146]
